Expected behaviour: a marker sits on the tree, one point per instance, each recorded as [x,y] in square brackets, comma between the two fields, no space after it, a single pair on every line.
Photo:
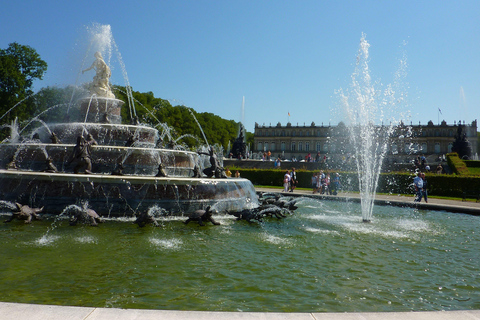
[19,66]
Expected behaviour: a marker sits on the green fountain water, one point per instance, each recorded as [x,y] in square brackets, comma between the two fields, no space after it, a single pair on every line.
[320,259]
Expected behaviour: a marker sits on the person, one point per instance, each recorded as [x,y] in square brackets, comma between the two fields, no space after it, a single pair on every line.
[418,184]
[314,182]
[286,181]
[237,174]
[336,184]
[326,185]
[228,172]
[439,168]
[319,182]
[424,189]
[293,180]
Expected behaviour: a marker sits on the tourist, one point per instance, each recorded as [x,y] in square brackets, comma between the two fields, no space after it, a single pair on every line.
[228,172]
[326,185]
[439,169]
[418,184]
[286,181]
[314,182]
[319,183]
[237,174]
[336,184]
[424,189]
[293,180]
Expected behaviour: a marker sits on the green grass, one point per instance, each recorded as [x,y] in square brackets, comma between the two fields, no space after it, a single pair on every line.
[474,171]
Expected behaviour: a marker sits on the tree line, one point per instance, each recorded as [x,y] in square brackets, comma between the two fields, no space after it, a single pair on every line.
[20,65]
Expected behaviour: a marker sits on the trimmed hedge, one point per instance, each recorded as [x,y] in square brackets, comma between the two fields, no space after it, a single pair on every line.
[472,163]
[395,183]
[456,164]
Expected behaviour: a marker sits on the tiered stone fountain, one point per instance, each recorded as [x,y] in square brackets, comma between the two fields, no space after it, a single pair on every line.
[131,170]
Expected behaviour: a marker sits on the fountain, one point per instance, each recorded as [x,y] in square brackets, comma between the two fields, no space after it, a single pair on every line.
[127,170]
[318,260]
[364,106]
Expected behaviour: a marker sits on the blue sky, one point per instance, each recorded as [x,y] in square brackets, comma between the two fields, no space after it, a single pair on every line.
[282,56]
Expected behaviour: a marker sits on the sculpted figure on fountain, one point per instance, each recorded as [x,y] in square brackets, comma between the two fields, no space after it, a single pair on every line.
[100,84]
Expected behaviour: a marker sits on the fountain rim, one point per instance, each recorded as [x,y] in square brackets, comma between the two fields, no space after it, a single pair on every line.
[108,178]
[63,145]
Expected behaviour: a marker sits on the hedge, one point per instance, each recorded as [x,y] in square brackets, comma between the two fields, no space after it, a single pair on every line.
[395,183]
[456,164]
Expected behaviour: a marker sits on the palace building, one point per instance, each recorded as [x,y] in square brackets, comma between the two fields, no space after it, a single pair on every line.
[289,141]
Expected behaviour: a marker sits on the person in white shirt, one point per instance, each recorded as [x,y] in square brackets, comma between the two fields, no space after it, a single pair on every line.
[286,181]
[418,184]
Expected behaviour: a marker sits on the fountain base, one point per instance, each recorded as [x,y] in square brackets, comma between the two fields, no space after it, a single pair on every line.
[118,196]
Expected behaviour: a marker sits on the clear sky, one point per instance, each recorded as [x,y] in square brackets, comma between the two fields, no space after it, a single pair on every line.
[282,56]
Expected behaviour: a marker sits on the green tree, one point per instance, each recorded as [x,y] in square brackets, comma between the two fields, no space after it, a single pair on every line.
[19,66]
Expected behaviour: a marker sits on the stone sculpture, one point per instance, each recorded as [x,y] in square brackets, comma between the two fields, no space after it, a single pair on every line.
[84,215]
[161,171]
[81,155]
[100,85]
[50,167]
[145,218]
[202,216]
[26,213]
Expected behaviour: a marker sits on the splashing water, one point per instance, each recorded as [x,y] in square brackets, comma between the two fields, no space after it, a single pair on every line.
[365,107]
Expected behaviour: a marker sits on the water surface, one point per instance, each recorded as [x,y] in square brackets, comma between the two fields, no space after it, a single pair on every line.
[323,258]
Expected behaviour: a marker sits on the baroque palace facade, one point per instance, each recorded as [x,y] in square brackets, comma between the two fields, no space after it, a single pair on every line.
[289,141]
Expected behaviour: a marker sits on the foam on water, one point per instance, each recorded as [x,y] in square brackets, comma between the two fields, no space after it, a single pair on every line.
[170,244]
[85,239]
[46,240]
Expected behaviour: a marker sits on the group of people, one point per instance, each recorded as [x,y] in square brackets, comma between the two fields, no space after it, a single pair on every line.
[323,184]
[290,180]
[420,184]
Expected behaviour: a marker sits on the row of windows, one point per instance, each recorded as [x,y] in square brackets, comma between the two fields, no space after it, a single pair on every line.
[319,133]
[294,146]
[300,147]
[273,133]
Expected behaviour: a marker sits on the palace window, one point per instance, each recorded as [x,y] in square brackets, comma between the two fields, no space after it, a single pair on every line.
[293,146]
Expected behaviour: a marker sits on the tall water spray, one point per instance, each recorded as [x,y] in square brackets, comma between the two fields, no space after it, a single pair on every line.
[365,107]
